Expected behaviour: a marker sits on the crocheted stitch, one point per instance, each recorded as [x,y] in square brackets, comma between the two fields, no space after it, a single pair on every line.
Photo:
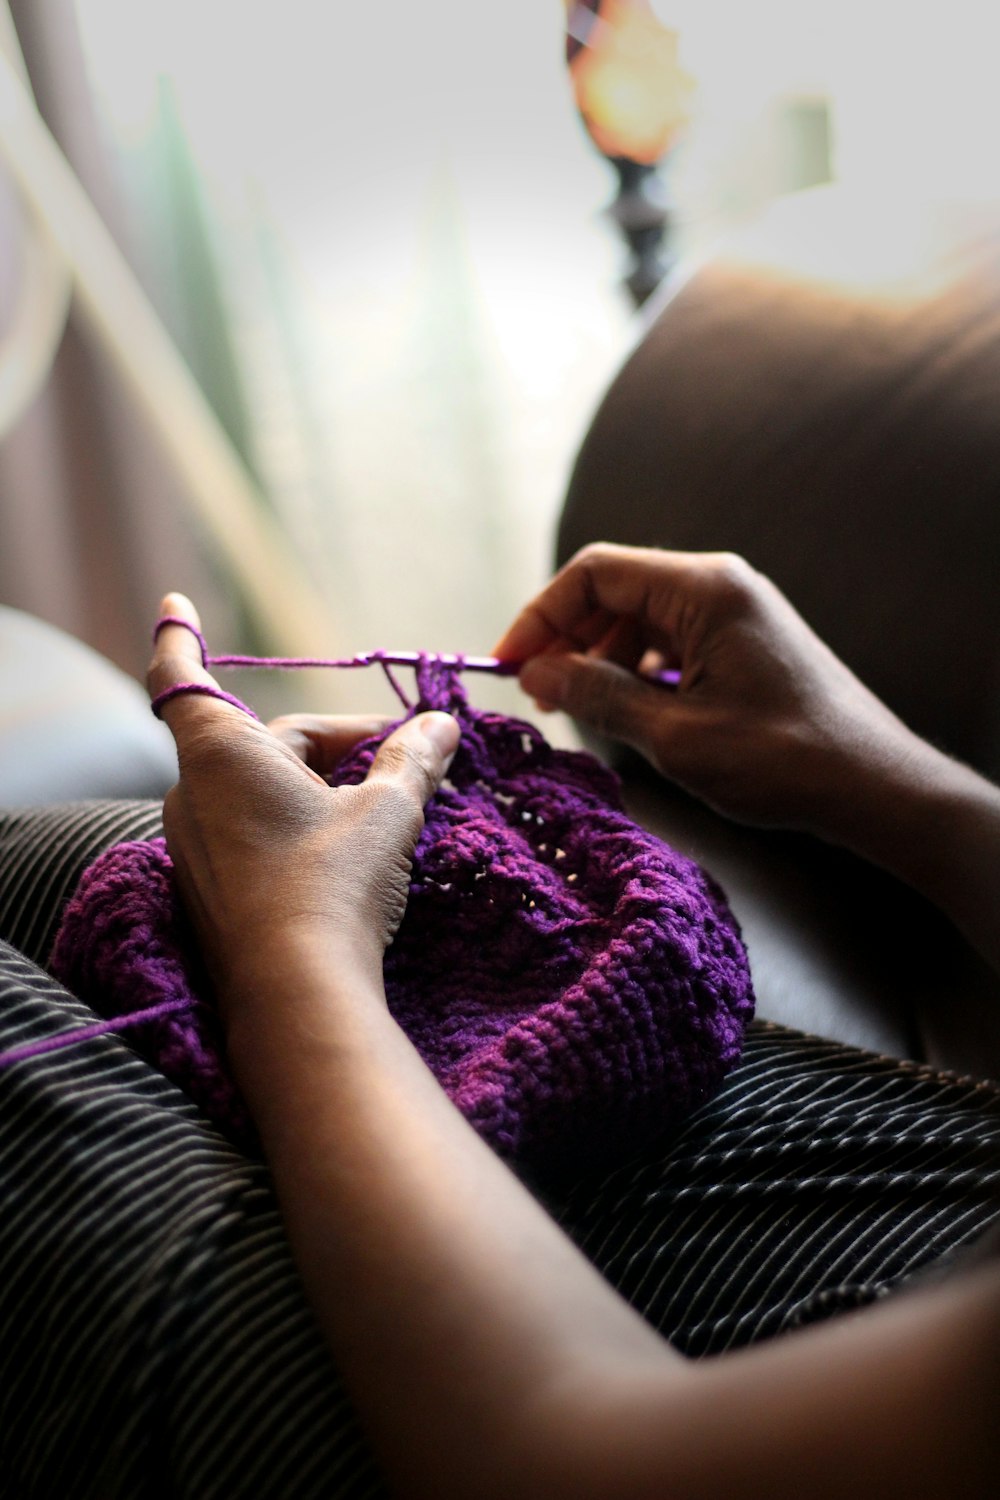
[572,981]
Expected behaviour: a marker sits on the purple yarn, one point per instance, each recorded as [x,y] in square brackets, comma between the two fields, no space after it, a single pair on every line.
[124,945]
[60,1039]
[205,690]
[572,981]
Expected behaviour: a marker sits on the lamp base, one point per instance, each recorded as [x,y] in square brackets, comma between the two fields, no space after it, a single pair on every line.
[643,212]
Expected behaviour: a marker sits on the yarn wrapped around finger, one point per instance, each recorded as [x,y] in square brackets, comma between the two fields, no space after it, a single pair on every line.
[574,983]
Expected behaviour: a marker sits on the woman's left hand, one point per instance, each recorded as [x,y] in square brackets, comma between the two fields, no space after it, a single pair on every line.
[263,847]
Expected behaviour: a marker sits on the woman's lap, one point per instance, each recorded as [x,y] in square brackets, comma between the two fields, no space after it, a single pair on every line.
[819,1178]
[154,1334]
[148,1294]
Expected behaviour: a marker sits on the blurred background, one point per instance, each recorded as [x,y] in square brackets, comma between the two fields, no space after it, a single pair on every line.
[376,234]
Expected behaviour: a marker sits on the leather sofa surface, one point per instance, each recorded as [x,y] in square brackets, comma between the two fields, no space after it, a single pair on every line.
[840,430]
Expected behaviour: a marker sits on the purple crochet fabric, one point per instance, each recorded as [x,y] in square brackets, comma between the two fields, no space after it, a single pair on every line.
[572,981]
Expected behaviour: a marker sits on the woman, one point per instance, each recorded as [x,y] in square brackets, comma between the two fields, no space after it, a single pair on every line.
[482,1351]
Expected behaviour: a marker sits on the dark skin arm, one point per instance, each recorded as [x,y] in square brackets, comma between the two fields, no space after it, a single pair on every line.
[484,1354]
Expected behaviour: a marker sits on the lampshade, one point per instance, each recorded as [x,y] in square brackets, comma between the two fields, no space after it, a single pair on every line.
[631,91]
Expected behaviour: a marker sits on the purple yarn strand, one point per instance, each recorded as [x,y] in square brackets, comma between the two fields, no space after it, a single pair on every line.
[453,660]
[205,690]
[179,620]
[98,1028]
[456,659]
[396,685]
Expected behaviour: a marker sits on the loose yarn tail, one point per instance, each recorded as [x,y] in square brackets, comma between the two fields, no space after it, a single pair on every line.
[62,1039]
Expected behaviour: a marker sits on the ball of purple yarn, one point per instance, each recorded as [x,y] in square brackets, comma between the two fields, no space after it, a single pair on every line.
[573,982]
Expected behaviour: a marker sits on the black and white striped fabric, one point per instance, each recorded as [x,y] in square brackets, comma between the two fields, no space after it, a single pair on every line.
[818,1179]
[43,853]
[154,1339]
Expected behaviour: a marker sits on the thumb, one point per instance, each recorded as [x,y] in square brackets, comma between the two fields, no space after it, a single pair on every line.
[416,756]
[607,697]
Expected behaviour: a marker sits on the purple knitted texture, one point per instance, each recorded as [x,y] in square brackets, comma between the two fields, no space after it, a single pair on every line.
[124,944]
[572,981]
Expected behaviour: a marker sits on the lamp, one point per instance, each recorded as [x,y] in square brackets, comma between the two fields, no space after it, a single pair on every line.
[632,95]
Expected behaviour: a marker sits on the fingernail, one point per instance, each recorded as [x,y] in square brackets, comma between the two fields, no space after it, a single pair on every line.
[443,732]
[544,681]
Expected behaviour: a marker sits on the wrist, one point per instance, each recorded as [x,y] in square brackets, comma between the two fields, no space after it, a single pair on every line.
[917,813]
[290,989]
[278,954]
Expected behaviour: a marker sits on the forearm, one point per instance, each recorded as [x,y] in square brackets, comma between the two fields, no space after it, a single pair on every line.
[451,1301]
[929,820]
[485,1356]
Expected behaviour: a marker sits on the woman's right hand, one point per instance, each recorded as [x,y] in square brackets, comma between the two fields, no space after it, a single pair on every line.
[765,724]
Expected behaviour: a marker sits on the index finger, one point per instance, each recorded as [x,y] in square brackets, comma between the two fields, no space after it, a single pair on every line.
[602,582]
[177,666]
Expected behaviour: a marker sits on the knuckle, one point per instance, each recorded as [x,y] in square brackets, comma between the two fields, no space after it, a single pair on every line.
[166,668]
[202,751]
[394,797]
[734,577]
[597,552]
[732,566]
[213,750]
[600,557]
[408,761]
[394,810]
